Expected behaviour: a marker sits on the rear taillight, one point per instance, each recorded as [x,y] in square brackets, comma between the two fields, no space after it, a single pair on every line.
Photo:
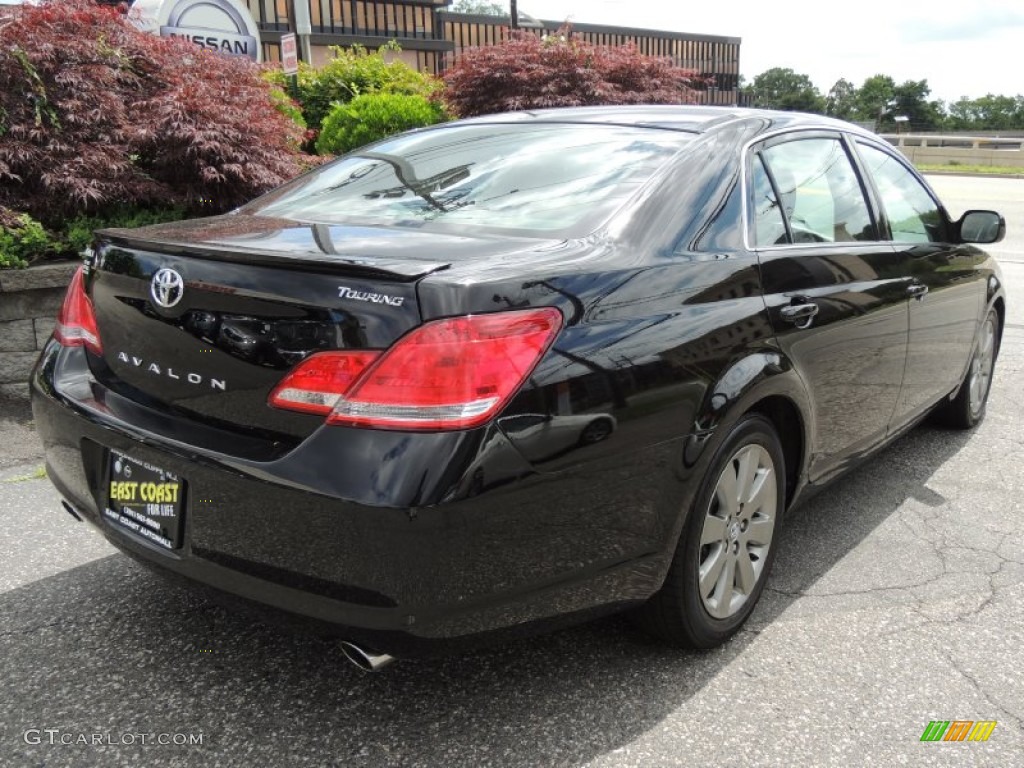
[447,374]
[320,380]
[76,321]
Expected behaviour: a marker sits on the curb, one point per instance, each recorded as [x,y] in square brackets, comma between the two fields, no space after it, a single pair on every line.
[41,276]
[974,174]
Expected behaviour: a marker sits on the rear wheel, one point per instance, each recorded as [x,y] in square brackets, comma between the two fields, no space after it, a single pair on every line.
[726,549]
[596,431]
[968,407]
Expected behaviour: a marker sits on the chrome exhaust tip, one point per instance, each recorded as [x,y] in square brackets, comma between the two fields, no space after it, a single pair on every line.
[368,661]
[71,510]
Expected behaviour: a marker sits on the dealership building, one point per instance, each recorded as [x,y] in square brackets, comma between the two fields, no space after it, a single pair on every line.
[430,35]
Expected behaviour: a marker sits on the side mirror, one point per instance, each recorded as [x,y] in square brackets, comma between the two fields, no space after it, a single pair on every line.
[981,227]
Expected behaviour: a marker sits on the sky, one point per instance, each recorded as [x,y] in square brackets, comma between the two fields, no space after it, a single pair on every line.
[966,48]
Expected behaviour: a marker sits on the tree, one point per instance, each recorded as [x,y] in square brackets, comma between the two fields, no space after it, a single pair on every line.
[117,117]
[745,91]
[962,115]
[999,113]
[880,100]
[841,101]
[910,100]
[988,113]
[479,7]
[782,88]
[875,99]
[526,72]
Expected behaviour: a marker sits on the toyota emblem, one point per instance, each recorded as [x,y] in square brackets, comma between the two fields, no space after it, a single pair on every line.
[166,288]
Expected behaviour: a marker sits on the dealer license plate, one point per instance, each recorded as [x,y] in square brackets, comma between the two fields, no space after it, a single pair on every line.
[146,500]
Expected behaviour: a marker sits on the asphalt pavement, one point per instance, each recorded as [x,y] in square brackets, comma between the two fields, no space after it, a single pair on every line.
[897,598]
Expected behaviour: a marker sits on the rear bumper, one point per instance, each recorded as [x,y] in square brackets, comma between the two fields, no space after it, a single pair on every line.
[339,535]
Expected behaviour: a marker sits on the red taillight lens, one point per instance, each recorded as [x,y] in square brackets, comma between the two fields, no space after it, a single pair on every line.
[320,381]
[76,321]
[447,374]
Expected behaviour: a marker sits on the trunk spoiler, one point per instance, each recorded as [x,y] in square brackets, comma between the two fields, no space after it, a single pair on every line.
[401,270]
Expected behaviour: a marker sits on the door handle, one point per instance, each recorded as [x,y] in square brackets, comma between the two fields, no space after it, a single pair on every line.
[917,290]
[799,314]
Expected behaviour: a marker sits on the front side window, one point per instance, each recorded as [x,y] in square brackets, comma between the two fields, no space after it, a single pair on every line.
[522,178]
[819,192]
[913,214]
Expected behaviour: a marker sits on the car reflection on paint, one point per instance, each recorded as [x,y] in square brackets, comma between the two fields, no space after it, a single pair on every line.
[543,436]
[537,437]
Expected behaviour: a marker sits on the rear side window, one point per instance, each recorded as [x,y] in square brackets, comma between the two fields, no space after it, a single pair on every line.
[819,192]
[525,178]
[769,225]
[913,214]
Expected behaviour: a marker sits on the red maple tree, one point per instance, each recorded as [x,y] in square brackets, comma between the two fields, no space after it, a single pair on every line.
[96,114]
[530,72]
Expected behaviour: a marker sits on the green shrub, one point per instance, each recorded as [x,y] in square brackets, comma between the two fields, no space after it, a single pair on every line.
[78,233]
[353,72]
[22,241]
[374,116]
[282,101]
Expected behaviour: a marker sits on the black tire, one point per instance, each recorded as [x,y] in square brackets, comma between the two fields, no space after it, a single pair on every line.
[678,613]
[967,408]
[596,431]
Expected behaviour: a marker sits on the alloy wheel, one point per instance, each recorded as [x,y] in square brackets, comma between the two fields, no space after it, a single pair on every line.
[982,364]
[737,533]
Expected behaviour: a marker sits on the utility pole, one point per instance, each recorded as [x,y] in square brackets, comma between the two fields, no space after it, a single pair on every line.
[515,15]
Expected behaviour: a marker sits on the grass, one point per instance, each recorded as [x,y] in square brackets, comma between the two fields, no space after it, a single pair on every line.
[38,474]
[989,170]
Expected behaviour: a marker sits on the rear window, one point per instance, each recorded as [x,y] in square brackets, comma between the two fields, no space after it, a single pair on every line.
[544,179]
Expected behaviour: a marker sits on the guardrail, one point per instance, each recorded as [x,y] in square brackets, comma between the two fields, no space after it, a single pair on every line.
[950,149]
[952,140]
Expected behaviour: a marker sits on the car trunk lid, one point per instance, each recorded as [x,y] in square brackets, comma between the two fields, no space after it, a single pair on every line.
[203,319]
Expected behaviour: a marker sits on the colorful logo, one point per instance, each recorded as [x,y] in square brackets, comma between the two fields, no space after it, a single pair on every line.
[958,730]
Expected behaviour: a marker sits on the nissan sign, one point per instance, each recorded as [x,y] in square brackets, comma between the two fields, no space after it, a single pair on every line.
[225,26]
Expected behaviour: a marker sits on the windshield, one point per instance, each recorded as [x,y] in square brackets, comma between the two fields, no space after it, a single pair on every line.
[538,179]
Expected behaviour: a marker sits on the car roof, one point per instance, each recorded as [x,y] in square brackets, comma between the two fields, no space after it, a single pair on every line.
[675,117]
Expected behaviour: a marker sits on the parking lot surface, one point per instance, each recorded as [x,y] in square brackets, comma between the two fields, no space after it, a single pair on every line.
[897,598]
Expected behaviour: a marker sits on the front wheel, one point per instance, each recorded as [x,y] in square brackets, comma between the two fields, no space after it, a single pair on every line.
[726,548]
[968,407]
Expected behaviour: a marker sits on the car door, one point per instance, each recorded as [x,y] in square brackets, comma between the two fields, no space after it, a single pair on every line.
[835,291]
[948,292]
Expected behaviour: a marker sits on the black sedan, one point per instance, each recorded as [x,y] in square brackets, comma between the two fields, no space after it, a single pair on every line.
[513,372]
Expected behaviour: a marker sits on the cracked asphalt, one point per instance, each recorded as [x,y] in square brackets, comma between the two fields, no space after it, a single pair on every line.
[897,598]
